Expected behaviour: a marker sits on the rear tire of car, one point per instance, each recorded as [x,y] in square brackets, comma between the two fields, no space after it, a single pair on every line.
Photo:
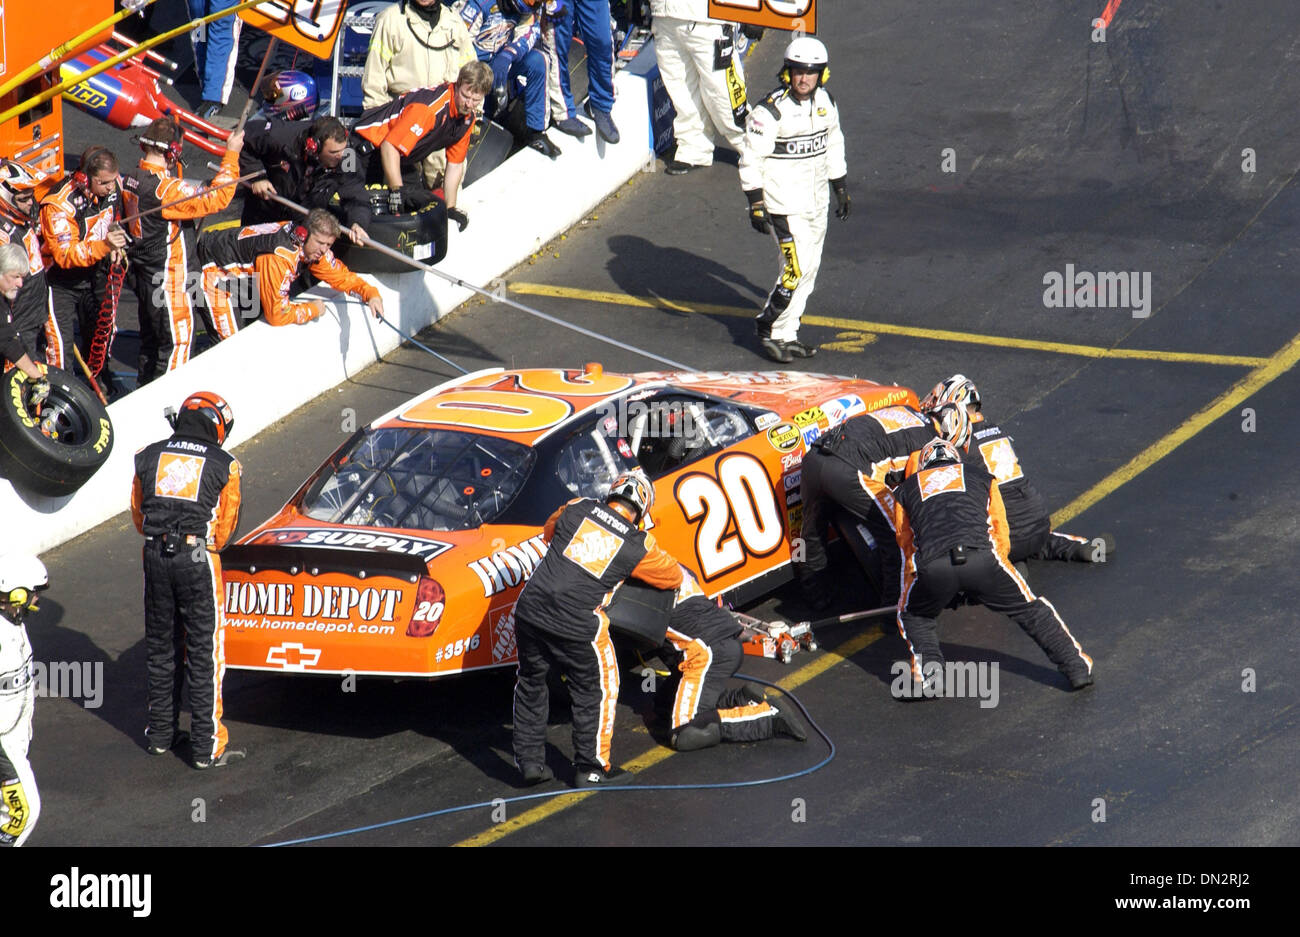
[61,464]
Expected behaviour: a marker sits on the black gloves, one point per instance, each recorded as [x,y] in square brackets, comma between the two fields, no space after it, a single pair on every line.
[458,216]
[751,32]
[758,216]
[843,204]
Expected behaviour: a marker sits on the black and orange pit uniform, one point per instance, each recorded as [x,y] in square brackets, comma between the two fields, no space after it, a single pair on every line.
[32,308]
[74,225]
[560,622]
[416,123]
[282,148]
[185,500]
[854,465]
[952,529]
[269,256]
[1032,537]
[160,257]
[705,639]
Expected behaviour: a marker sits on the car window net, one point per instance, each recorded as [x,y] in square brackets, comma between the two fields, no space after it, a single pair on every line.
[420,479]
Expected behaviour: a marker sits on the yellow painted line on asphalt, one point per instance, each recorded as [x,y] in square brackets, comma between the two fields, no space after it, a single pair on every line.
[886,328]
[655,755]
[1274,367]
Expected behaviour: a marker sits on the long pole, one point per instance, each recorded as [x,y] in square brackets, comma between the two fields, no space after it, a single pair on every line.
[499,297]
[257,84]
[120,57]
[52,57]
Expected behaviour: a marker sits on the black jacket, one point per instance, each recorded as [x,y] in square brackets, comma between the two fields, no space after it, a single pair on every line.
[280,147]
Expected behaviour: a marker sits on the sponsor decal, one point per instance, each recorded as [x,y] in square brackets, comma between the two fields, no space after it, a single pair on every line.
[16,810]
[893,397]
[291,656]
[501,631]
[404,544]
[430,603]
[1001,460]
[178,476]
[809,417]
[794,520]
[938,480]
[792,498]
[593,548]
[764,420]
[783,437]
[624,449]
[507,568]
[790,461]
[841,408]
[894,419]
[792,480]
[810,434]
[334,602]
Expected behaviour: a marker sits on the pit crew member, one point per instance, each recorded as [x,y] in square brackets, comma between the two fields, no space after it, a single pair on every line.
[705,641]
[159,255]
[303,163]
[953,533]
[15,342]
[401,133]
[185,500]
[271,254]
[560,622]
[22,578]
[854,465]
[415,45]
[81,237]
[20,225]
[793,149]
[1032,537]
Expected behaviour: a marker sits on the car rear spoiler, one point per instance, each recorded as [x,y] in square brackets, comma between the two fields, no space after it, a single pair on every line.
[317,560]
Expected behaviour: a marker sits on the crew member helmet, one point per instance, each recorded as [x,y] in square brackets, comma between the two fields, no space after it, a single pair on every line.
[16,180]
[956,389]
[952,423]
[635,490]
[290,95]
[214,407]
[938,451]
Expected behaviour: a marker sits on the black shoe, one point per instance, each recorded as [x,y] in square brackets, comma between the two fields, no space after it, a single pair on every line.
[209,109]
[537,774]
[673,167]
[1080,679]
[572,126]
[537,140]
[229,756]
[691,738]
[604,124]
[594,777]
[817,593]
[775,350]
[753,693]
[179,740]
[786,726]
[800,350]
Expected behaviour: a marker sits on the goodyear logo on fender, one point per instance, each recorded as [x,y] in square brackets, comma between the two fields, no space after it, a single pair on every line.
[783,437]
[894,396]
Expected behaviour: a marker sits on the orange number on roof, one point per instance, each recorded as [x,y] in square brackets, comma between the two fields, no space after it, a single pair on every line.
[501,410]
[579,385]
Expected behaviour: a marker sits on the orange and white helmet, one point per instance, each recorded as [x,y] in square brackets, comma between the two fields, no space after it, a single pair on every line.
[16,180]
[952,422]
[938,451]
[635,490]
[956,389]
[215,408]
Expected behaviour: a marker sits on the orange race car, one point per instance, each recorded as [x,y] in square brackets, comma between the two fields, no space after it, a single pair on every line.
[404,553]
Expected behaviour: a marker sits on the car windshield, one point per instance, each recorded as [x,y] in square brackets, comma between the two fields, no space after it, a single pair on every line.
[420,479]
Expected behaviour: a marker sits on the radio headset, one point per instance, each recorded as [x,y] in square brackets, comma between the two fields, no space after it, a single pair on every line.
[79,178]
[172,150]
[824,77]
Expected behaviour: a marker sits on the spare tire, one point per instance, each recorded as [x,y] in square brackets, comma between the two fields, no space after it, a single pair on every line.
[420,235]
[79,440]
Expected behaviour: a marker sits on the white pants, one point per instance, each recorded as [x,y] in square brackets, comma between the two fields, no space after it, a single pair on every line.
[800,239]
[20,804]
[700,95]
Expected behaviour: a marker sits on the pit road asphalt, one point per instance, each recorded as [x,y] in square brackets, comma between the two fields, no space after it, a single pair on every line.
[1125,155]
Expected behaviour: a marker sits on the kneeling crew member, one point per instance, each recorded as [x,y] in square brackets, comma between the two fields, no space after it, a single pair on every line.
[560,622]
[272,254]
[707,640]
[185,500]
[953,532]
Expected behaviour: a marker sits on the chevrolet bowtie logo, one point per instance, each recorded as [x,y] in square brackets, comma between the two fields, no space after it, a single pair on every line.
[293,656]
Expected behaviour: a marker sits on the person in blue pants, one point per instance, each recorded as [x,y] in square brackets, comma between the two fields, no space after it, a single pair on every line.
[216,47]
[591,20]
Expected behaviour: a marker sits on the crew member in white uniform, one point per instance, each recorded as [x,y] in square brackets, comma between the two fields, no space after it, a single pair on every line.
[793,152]
[22,576]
